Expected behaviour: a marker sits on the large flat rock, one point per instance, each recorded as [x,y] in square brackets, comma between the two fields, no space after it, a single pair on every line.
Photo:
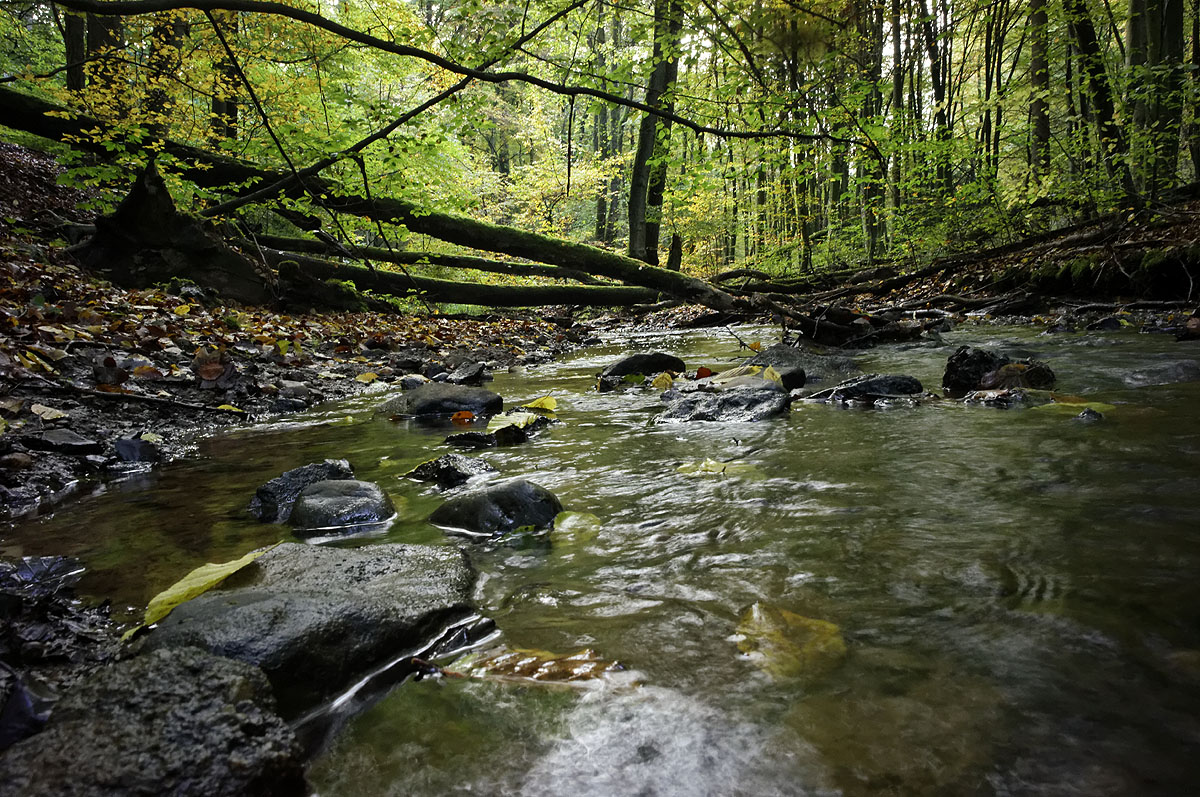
[180,722]
[314,618]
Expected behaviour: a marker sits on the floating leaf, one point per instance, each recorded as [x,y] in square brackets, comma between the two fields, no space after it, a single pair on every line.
[47,413]
[787,645]
[544,403]
[576,527]
[1074,407]
[367,377]
[712,467]
[462,418]
[195,583]
[535,665]
[663,381]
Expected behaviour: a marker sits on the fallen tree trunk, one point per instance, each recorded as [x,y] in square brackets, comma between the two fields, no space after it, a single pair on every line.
[314,247]
[313,269]
[210,170]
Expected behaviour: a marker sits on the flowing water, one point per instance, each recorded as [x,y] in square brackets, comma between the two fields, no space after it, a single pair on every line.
[1017,590]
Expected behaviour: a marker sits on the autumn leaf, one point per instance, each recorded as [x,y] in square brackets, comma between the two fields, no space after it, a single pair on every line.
[367,377]
[756,346]
[230,408]
[463,417]
[183,309]
[47,413]
[663,381]
[543,403]
[702,372]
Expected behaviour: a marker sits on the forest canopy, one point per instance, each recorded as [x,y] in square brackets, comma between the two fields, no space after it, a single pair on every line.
[787,136]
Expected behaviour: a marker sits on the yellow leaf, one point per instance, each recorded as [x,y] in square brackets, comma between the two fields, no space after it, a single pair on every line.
[663,381]
[195,583]
[771,375]
[183,309]
[151,437]
[230,407]
[755,346]
[329,375]
[788,645]
[366,378]
[544,403]
[517,419]
[47,413]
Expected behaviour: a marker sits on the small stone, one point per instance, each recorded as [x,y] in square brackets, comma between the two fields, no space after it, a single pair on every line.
[65,441]
[340,503]
[646,364]
[412,381]
[272,502]
[135,449]
[450,470]
[16,461]
[1089,415]
[499,509]
[467,374]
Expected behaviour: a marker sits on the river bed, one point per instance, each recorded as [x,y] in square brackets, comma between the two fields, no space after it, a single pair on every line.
[1016,589]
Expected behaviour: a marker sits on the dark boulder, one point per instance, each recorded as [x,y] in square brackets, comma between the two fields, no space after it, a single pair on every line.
[500,508]
[135,449]
[315,618]
[970,369]
[443,398]
[645,364]
[732,405]
[179,722]
[450,470]
[339,503]
[468,374]
[272,503]
[64,441]
[871,387]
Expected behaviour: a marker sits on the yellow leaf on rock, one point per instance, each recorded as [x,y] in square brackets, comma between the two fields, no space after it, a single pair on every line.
[194,584]
[367,377]
[230,407]
[771,375]
[663,381]
[47,413]
[755,346]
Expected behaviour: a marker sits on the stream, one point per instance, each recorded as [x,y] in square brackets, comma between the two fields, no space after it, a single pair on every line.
[1017,590]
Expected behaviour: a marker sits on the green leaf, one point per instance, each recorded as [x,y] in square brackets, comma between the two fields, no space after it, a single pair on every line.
[544,403]
[575,527]
[195,583]
[1074,408]
[633,379]
[788,645]
[511,418]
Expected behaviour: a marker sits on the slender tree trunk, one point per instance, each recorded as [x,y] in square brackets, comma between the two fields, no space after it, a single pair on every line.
[105,71]
[162,63]
[1039,84]
[224,123]
[75,47]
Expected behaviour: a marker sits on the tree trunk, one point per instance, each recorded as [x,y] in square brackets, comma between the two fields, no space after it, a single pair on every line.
[207,169]
[224,119]
[105,72]
[75,47]
[1039,84]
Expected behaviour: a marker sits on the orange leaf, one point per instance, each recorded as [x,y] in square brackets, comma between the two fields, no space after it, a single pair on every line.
[755,346]
[702,372]
[463,418]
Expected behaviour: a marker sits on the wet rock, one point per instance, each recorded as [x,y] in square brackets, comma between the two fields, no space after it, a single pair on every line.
[504,436]
[17,460]
[871,387]
[289,405]
[645,364]
[792,378]
[315,618]
[1107,324]
[733,405]
[816,367]
[272,502]
[294,390]
[412,381]
[64,441]
[1089,415]
[450,470]
[1003,399]
[135,449]
[339,503]
[440,398]
[499,509]
[970,369]
[1164,373]
[179,722]
[468,374]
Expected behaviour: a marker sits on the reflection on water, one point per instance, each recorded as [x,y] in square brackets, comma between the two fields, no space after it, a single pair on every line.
[1017,591]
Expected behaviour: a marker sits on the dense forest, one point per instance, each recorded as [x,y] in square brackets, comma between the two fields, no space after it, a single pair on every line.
[787,137]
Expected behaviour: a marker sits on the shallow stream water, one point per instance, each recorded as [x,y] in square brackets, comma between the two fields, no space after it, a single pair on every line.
[1017,590]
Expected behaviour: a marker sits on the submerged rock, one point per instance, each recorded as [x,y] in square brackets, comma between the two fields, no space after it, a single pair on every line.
[314,618]
[816,367]
[450,470]
[272,503]
[732,405]
[340,502]
[443,398]
[499,509]
[645,364]
[971,369]
[179,722]
[872,387]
